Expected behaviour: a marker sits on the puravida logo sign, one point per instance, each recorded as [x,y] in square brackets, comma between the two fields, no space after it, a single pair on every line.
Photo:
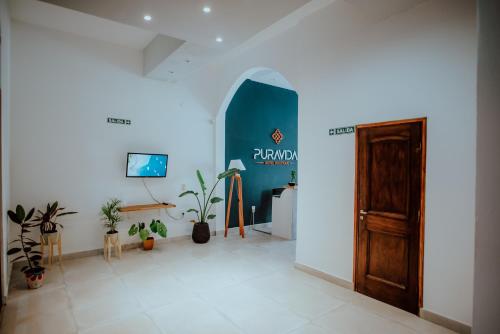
[269,156]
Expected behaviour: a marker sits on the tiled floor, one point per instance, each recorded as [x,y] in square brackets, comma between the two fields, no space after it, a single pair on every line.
[226,286]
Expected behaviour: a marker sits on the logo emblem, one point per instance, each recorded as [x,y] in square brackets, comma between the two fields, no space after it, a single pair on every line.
[277,136]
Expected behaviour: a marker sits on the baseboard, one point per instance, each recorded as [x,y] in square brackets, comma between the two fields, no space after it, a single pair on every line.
[424,314]
[445,322]
[327,277]
[100,251]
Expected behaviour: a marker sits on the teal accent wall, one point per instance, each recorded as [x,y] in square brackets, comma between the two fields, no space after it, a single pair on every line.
[253,115]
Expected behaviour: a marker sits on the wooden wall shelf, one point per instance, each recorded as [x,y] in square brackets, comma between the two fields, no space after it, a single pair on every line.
[144,207]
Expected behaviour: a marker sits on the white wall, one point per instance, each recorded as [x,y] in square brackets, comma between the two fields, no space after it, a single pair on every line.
[349,70]
[487,259]
[5,119]
[64,88]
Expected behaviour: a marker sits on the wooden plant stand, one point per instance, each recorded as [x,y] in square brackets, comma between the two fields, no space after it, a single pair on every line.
[112,241]
[50,242]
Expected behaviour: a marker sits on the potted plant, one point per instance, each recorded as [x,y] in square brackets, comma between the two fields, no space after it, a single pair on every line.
[111,217]
[33,272]
[293,178]
[48,220]
[148,241]
[201,229]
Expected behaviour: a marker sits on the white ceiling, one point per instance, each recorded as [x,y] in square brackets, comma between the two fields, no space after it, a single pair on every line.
[239,22]
[62,19]
[234,20]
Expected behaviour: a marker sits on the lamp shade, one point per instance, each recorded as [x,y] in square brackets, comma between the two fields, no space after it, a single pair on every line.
[236,164]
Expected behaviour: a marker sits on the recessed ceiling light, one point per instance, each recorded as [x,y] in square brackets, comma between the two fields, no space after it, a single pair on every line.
[148,18]
[219,40]
[207,9]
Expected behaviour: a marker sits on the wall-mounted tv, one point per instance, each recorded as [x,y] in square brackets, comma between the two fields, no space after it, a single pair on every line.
[147,165]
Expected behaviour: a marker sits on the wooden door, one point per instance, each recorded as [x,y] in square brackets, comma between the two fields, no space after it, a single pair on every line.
[389,204]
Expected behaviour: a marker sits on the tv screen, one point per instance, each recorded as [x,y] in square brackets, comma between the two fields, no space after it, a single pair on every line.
[147,165]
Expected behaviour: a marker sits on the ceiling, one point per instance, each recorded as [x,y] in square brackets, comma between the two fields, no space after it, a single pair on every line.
[185,36]
[62,19]
[234,20]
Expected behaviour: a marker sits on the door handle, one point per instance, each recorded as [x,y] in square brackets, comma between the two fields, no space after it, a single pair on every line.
[363,212]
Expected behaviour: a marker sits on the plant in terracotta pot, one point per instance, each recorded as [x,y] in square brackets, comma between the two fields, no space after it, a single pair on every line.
[111,217]
[48,220]
[148,241]
[33,272]
[201,229]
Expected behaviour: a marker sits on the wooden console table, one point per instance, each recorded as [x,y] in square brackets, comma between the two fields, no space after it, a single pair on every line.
[144,207]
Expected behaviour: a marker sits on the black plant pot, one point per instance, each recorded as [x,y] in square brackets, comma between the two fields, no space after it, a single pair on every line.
[201,233]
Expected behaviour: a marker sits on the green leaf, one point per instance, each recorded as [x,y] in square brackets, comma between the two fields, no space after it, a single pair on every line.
[192,210]
[188,193]
[211,217]
[162,229]
[12,215]
[133,230]
[227,173]
[216,200]
[21,214]
[53,208]
[13,250]
[201,181]
[66,213]
[144,234]
[31,243]
[35,258]
[154,226]
[30,214]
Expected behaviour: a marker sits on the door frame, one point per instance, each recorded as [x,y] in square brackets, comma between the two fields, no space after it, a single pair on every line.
[423,122]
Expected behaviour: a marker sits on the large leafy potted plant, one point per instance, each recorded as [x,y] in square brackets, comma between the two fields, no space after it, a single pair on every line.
[148,241]
[33,272]
[110,215]
[201,229]
[48,220]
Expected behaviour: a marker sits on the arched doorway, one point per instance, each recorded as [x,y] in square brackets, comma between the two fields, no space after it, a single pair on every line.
[259,104]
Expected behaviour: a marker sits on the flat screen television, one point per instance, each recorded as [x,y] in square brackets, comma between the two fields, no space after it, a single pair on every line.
[147,165]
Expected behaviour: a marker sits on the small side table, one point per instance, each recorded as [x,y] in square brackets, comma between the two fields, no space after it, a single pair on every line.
[50,240]
[112,241]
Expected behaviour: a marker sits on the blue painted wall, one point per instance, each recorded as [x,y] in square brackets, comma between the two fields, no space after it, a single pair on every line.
[254,113]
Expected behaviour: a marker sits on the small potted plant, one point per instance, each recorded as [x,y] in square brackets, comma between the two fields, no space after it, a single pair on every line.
[33,272]
[48,221]
[111,217]
[293,178]
[201,229]
[148,241]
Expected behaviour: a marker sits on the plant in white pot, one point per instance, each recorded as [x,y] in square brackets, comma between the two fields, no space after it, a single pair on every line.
[48,221]
[201,229]
[33,272]
[111,217]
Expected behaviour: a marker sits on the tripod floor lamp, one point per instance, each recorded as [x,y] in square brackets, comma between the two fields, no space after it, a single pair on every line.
[236,164]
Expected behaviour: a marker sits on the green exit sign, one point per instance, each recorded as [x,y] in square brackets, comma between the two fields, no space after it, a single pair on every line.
[119,121]
[342,131]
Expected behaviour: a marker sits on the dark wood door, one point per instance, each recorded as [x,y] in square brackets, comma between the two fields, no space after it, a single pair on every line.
[389,189]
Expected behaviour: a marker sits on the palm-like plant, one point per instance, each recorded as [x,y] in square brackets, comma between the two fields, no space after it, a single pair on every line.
[205,203]
[110,215]
[48,219]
